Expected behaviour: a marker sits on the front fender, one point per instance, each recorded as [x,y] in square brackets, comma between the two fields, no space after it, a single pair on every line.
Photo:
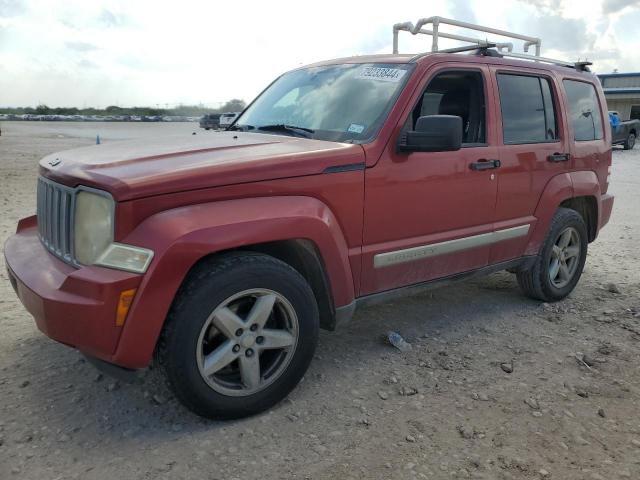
[182,236]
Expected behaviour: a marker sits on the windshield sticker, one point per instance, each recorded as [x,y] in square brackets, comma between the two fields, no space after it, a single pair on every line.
[382,74]
[355,128]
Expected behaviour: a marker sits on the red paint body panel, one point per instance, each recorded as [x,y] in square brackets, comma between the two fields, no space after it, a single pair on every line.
[181,236]
[525,172]
[555,192]
[420,198]
[189,197]
[135,169]
[73,306]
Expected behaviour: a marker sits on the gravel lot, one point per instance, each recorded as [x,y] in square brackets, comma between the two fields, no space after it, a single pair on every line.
[445,409]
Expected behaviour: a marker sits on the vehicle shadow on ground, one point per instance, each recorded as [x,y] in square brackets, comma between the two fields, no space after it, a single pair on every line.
[74,403]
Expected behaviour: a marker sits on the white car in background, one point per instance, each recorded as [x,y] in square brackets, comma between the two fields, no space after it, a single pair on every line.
[227,119]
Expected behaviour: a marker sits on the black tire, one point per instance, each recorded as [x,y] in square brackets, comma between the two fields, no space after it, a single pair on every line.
[536,282]
[630,142]
[207,286]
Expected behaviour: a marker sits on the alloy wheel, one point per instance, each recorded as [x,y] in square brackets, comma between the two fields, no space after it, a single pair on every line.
[565,257]
[247,342]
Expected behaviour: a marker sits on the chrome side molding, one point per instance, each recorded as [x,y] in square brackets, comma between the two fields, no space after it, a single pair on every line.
[412,254]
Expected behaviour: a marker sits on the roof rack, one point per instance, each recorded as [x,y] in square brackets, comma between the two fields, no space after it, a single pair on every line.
[504,49]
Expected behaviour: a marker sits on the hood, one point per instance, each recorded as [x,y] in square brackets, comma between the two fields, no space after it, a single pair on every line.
[141,168]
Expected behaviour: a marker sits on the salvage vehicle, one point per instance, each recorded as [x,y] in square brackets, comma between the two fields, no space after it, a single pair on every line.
[625,132]
[345,183]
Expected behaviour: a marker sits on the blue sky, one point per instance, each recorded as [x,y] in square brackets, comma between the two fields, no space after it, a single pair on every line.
[143,52]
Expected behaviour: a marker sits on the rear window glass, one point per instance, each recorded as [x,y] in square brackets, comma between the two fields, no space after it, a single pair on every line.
[528,114]
[583,110]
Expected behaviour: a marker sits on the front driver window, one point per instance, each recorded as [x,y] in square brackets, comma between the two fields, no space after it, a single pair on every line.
[459,93]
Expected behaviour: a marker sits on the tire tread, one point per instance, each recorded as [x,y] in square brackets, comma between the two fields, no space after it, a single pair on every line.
[206,271]
[532,280]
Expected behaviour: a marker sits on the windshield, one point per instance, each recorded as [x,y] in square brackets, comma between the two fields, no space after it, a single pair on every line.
[342,103]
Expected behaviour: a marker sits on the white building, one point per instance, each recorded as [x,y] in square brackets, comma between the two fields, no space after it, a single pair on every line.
[622,91]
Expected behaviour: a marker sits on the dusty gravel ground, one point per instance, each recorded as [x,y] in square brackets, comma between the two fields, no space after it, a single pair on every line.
[446,409]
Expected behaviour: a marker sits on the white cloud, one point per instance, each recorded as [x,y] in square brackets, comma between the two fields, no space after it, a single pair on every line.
[83,52]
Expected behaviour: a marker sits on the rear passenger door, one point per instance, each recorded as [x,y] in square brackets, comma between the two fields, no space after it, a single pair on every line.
[533,148]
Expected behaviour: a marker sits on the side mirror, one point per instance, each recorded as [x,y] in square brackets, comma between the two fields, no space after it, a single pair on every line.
[433,133]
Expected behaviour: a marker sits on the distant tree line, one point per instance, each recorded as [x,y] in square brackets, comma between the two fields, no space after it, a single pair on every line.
[234,105]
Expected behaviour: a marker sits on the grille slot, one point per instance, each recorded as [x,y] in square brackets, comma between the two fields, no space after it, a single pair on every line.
[55,213]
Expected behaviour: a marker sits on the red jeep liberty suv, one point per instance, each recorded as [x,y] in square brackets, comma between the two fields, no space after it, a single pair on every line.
[345,182]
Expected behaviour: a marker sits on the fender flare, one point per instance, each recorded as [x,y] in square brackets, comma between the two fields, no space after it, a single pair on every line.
[557,190]
[562,187]
[586,184]
[182,236]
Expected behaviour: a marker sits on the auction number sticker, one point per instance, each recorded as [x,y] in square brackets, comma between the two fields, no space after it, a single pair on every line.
[382,74]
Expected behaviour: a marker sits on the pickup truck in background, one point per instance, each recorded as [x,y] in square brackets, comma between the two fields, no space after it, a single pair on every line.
[625,133]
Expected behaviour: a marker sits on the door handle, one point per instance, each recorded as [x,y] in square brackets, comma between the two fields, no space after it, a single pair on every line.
[558,157]
[485,164]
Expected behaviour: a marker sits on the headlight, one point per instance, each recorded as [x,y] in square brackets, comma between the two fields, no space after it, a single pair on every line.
[93,226]
[93,236]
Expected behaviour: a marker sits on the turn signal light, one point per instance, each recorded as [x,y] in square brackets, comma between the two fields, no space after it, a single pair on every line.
[126,299]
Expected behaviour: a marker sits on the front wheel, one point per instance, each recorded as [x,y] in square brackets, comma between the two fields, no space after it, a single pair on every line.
[561,259]
[239,336]
[630,142]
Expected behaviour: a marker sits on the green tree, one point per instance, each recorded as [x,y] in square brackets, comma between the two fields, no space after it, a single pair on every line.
[235,105]
[42,109]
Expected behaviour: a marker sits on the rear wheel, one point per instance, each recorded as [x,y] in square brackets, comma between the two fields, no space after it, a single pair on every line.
[560,262]
[630,142]
[240,336]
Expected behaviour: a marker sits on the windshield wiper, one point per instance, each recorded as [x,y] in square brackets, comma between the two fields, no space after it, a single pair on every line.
[281,127]
[237,126]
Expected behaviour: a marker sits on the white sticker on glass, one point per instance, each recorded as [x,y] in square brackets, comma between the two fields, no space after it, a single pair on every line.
[381,74]
[355,128]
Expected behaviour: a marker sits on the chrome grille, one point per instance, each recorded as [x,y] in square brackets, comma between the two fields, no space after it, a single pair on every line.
[55,215]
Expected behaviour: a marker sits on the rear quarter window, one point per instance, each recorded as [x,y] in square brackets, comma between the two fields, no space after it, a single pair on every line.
[584,110]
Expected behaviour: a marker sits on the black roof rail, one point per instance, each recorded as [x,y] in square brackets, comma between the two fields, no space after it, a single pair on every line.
[478,49]
[583,66]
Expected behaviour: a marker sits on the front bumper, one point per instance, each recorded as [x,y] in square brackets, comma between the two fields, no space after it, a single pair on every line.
[74,306]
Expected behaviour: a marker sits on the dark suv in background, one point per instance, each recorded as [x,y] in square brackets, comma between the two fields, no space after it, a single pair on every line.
[210,121]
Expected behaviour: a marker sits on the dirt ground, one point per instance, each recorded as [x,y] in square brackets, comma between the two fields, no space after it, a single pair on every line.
[446,409]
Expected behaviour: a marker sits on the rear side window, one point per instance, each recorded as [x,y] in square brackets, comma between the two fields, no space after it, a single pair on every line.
[584,110]
[528,114]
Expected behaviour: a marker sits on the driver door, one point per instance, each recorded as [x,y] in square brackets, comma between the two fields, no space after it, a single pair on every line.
[430,214]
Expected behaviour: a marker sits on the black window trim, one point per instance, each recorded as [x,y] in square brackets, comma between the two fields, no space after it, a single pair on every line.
[602,116]
[454,70]
[554,98]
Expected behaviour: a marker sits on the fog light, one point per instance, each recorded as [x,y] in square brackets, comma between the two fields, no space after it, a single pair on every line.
[126,257]
[124,303]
